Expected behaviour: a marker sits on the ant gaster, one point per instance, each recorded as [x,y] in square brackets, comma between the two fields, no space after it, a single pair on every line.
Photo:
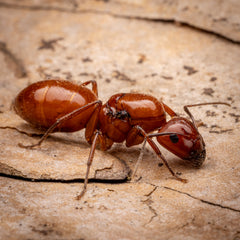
[62,106]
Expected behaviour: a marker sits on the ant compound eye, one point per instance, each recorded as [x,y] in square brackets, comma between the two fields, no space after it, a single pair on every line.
[174,138]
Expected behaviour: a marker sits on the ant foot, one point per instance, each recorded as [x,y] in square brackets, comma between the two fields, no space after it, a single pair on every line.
[134,179]
[78,197]
[129,178]
[182,179]
[27,146]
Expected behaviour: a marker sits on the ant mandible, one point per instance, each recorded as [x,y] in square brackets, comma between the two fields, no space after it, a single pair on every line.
[62,106]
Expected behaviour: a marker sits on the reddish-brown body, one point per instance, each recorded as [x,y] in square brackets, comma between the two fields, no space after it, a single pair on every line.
[42,103]
[123,111]
[64,106]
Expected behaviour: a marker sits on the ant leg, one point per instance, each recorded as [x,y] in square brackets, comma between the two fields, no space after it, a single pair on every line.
[200,104]
[94,86]
[139,131]
[23,132]
[199,123]
[143,147]
[61,120]
[98,138]
[169,110]
[89,163]
[139,159]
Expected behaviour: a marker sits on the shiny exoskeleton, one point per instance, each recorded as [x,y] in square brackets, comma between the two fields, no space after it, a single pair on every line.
[58,105]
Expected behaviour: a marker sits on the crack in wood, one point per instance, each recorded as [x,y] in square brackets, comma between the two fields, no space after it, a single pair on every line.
[189,195]
[154,214]
[149,202]
[202,200]
[57,180]
[188,223]
[151,192]
[102,169]
[101,12]
[10,171]
[12,61]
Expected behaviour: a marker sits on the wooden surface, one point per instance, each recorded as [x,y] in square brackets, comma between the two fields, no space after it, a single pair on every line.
[126,46]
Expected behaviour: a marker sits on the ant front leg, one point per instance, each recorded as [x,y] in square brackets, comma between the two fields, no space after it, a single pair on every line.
[138,131]
[62,120]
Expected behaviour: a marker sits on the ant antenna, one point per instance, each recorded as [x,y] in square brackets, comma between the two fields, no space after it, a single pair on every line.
[200,104]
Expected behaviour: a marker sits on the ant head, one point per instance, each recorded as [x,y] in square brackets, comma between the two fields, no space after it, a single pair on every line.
[181,137]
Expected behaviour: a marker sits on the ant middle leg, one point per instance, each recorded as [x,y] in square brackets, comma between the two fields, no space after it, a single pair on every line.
[89,163]
[98,138]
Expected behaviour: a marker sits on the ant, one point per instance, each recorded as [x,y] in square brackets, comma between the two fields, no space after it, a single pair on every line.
[63,106]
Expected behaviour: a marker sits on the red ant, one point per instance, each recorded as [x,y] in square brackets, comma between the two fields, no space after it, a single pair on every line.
[62,106]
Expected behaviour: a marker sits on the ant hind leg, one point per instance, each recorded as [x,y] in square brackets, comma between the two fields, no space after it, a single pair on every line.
[94,86]
[61,120]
